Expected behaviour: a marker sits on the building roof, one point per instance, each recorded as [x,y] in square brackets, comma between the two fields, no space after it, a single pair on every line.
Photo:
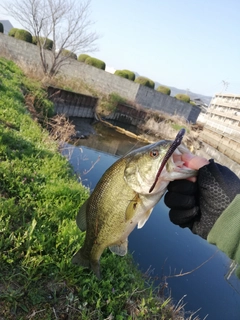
[198,102]
[229,95]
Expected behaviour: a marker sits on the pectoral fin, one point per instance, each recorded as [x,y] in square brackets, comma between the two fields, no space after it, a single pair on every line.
[120,249]
[81,217]
[144,219]
[132,207]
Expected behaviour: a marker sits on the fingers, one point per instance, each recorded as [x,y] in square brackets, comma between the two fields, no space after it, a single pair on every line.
[179,201]
[183,187]
[194,162]
[183,218]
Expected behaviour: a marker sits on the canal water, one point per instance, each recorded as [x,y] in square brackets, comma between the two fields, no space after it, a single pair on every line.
[181,263]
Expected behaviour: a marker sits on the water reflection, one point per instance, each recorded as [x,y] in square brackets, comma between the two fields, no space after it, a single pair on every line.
[108,140]
[163,248]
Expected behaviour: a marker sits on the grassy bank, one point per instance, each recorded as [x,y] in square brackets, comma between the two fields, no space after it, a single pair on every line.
[39,199]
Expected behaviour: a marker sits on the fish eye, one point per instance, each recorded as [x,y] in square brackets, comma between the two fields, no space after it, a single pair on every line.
[154,153]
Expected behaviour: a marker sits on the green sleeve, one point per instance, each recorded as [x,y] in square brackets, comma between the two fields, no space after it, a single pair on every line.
[225,233]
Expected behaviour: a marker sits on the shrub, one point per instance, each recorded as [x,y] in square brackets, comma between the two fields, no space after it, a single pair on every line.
[96,63]
[142,80]
[121,73]
[12,32]
[34,40]
[115,98]
[110,102]
[152,83]
[82,57]
[1,28]
[183,97]
[193,103]
[125,74]
[69,54]
[48,42]
[23,35]
[145,82]
[164,90]
[131,75]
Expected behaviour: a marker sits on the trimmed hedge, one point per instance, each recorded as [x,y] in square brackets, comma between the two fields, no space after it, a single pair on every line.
[131,75]
[69,54]
[121,73]
[34,40]
[48,42]
[12,32]
[183,97]
[127,74]
[164,90]
[23,35]
[82,57]
[152,83]
[1,28]
[145,82]
[96,63]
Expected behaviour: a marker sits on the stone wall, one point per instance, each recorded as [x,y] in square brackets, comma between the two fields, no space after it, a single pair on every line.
[27,56]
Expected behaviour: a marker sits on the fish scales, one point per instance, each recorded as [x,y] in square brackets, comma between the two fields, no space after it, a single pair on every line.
[111,192]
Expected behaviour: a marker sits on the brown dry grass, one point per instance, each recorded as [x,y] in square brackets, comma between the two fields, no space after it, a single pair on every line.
[61,129]
[160,125]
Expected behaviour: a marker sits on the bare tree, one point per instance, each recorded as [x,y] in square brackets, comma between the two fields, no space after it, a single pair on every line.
[66,22]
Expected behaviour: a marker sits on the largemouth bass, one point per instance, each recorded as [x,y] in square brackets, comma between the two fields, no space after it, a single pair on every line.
[125,197]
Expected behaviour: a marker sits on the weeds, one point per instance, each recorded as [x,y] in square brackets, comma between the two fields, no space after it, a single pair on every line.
[61,129]
[108,104]
[164,126]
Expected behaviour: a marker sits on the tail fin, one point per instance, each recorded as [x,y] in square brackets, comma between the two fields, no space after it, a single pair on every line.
[80,260]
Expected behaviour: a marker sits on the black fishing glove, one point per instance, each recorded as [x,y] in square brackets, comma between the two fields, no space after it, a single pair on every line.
[198,205]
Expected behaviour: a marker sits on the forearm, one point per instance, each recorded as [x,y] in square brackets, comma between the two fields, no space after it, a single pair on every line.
[225,233]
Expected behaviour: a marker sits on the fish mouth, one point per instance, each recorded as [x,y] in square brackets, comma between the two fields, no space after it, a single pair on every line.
[170,152]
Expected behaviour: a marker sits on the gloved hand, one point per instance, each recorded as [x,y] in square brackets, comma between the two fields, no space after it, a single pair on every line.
[197,205]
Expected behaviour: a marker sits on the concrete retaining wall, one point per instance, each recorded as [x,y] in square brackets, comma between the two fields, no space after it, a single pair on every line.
[225,145]
[127,114]
[155,100]
[27,56]
[72,104]
[210,152]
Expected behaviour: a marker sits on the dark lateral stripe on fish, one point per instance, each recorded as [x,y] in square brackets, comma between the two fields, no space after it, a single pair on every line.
[170,151]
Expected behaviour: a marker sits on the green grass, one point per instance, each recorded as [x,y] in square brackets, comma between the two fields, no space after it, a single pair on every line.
[39,199]
[177,127]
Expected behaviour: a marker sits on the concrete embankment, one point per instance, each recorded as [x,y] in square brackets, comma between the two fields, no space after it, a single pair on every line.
[210,152]
[223,143]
